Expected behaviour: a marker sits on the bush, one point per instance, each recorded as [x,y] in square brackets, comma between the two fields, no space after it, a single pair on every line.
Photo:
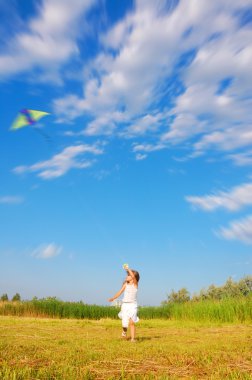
[16,297]
[4,297]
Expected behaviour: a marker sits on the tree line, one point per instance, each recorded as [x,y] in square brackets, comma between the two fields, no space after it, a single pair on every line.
[15,298]
[231,289]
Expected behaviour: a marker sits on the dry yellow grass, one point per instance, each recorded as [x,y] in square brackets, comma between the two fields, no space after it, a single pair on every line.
[36,348]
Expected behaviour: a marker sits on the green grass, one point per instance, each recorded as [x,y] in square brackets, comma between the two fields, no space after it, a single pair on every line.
[78,349]
[231,310]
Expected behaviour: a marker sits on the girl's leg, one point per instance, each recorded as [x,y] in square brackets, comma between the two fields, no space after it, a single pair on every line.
[132,330]
[124,332]
[125,323]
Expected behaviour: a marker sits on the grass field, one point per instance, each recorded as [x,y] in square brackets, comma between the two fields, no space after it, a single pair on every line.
[69,349]
[229,310]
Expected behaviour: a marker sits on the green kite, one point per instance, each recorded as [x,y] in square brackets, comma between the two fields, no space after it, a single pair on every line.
[27,117]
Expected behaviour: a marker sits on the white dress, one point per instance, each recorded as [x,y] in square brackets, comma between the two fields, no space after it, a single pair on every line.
[129,305]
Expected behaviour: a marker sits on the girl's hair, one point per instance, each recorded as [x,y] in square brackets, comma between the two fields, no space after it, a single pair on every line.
[136,274]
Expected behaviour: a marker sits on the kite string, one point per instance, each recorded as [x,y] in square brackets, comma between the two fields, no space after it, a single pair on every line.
[45,135]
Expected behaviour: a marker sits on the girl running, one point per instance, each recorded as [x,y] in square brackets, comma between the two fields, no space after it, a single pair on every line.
[128,313]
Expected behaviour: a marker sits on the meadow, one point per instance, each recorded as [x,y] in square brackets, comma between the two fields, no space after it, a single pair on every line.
[50,339]
[72,349]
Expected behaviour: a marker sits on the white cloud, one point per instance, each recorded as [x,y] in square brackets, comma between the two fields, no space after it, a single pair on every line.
[140,157]
[227,139]
[134,75]
[49,41]
[232,200]
[220,117]
[124,84]
[242,159]
[47,251]
[238,230]
[143,125]
[184,126]
[61,163]
[143,149]
[138,60]
[10,199]
[147,147]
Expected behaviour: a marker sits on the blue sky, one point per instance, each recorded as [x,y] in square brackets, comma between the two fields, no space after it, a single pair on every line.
[148,152]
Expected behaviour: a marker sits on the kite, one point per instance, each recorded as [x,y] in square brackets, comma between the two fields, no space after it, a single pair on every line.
[27,117]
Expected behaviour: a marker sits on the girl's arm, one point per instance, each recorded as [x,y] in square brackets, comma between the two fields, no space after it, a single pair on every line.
[132,275]
[118,293]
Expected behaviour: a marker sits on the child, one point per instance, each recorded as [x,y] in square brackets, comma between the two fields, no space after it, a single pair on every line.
[128,313]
